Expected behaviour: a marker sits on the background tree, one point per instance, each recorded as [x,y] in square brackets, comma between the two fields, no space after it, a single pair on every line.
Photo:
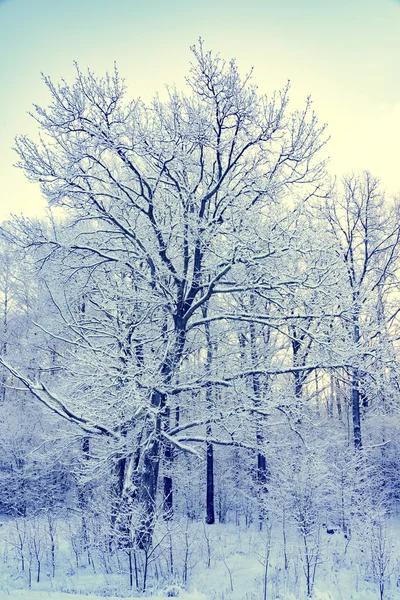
[367,233]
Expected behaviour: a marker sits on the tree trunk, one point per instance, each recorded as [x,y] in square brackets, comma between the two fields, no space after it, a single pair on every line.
[210,512]
[149,461]
[147,492]
[4,346]
[355,404]
[355,393]
[210,493]
[168,461]
[83,499]
[262,473]
[149,467]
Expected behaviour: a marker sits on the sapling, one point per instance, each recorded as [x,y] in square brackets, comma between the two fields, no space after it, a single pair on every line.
[52,530]
[263,555]
[381,555]
[206,531]
[18,539]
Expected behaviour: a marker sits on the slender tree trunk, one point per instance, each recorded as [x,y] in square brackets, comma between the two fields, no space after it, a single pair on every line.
[300,350]
[297,343]
[210,511]
[262,470]
[168,461]
[355,404]
[83,497]
[337,393]
[4,345]
[210,493]
[331,397]
[355,393]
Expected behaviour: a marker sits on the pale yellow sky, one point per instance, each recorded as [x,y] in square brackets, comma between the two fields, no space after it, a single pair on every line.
[344,53]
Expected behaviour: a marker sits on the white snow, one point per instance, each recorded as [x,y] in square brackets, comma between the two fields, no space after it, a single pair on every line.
[33,595]
[235,571]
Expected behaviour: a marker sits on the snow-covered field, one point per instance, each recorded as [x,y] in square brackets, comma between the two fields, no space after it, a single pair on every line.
[31,595]
[223,562]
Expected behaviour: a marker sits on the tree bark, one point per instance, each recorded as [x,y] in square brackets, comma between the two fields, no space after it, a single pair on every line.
[148,478]
[355,393]
[168,461]
[262,472]
[210,510]
[210,492]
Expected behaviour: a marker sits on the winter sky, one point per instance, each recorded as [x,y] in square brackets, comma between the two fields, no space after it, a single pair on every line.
[344,53]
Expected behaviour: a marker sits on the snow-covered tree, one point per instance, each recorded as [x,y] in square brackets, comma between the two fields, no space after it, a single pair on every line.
[186,203]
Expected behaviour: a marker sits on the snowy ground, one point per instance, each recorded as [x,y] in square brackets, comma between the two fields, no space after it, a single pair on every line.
[31,595]
[224,563]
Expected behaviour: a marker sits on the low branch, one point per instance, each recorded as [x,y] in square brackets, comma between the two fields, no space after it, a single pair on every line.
[179,445]
[204,440]
[56,405]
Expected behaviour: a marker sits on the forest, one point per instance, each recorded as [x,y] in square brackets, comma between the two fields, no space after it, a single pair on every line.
[200,383]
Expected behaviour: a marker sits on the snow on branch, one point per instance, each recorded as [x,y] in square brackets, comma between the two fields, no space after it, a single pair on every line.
[56,405]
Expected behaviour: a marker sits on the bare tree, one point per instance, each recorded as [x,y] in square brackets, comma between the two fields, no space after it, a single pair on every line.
[366,229]
[170,206]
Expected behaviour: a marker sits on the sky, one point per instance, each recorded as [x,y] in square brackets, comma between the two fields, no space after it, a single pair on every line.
[344,53]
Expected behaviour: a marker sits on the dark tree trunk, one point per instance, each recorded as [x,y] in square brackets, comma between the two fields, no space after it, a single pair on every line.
[119,518]
[147,493]
[262,471]
[355,394]
[120,470]
[147,478]
[355,404]
[298,360]
[168,461]
[210,492]
[298,385]
[168,491]
[210,511]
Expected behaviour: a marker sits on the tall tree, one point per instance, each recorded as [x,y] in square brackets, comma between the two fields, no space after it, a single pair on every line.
[170,207]
[367,233]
